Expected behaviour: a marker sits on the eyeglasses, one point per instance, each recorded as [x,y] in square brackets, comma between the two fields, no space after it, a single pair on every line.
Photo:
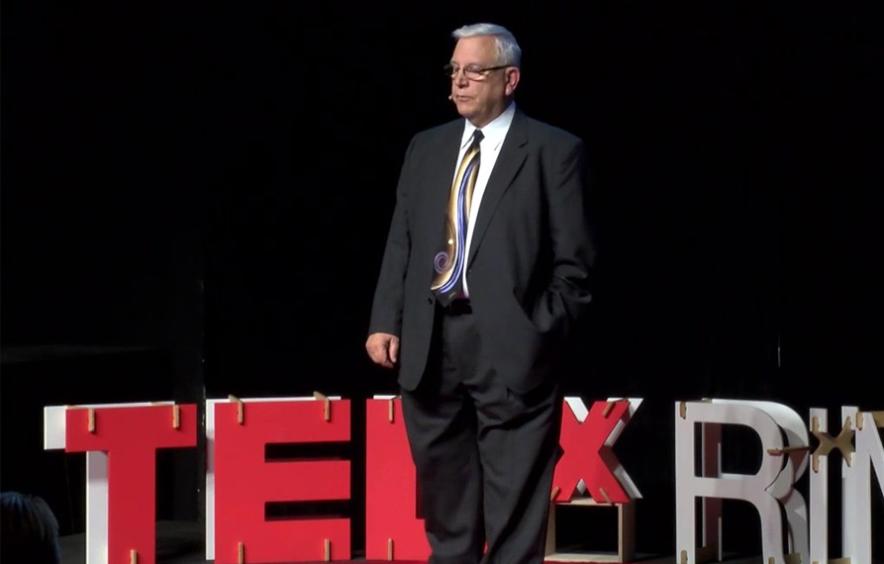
[471,72]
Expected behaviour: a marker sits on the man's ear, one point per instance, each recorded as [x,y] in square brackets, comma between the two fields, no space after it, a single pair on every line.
[513,75]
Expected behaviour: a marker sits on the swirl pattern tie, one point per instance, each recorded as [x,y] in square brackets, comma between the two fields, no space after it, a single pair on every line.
[450,261]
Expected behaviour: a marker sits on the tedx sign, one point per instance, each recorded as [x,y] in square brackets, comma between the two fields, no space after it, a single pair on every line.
[121,442]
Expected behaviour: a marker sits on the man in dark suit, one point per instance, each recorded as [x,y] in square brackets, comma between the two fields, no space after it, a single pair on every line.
[485,271]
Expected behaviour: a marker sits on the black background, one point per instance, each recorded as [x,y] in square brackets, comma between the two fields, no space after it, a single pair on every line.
[195,199]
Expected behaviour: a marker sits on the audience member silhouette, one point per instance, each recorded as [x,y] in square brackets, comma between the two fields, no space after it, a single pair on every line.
[28,530]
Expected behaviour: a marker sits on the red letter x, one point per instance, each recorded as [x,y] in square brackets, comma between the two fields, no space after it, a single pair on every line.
[588,453]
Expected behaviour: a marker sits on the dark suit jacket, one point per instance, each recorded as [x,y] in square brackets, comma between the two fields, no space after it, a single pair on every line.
[530,257]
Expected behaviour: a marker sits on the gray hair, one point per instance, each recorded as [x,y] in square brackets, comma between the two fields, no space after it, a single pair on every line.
[508,50]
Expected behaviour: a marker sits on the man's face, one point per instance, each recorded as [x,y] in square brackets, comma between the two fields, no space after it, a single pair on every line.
[483,98]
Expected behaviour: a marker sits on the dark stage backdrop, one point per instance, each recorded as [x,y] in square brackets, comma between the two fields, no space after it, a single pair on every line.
[196,197]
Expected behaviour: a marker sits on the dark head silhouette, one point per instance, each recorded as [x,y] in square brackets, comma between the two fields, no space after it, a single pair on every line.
[28,530]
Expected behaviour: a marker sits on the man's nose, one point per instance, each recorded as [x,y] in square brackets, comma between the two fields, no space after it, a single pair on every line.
[460,78]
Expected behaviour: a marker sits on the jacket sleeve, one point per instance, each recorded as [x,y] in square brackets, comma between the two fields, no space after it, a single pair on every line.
[568,290]
[386,312]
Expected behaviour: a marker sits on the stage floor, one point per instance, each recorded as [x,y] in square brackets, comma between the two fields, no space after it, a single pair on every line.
[181,543]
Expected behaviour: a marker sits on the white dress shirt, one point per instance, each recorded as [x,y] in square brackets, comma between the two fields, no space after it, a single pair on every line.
[494,134]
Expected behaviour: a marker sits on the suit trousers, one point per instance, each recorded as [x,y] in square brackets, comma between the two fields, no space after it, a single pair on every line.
[484,455]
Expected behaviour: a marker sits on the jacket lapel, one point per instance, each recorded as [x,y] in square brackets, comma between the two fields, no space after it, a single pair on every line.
[509,161]
[438,185]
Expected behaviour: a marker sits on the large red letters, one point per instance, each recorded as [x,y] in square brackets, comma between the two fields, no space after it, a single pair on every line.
[241,481]
[588,454]
[244,482]
[392,527]
[130,437]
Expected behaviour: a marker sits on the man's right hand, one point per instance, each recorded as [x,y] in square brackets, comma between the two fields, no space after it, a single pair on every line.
[383,349]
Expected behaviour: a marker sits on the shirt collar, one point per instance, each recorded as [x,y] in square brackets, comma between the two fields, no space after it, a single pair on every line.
[494,132]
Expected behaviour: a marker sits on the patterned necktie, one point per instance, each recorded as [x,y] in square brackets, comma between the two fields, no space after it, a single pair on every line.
[448,264]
